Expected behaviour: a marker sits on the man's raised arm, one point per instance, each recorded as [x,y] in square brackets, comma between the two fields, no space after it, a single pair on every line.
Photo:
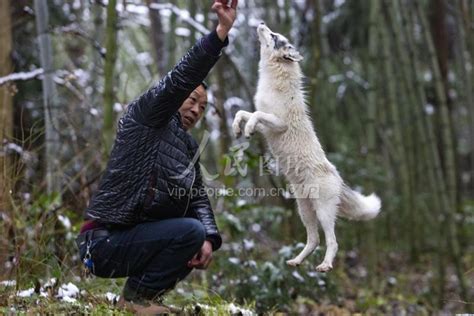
[155,107]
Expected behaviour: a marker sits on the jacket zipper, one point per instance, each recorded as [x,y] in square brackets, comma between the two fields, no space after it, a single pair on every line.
[190,193]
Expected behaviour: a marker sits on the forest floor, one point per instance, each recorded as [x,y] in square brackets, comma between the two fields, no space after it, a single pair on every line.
[400,291]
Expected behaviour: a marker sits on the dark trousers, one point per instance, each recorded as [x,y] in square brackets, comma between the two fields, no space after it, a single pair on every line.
[154,255]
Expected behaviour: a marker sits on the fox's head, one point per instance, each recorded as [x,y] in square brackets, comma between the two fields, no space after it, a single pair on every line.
[275,47]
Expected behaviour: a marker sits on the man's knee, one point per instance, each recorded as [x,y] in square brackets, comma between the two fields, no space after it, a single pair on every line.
[195,231]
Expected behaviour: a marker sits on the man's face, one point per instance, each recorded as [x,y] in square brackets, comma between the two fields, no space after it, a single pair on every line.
[193,107]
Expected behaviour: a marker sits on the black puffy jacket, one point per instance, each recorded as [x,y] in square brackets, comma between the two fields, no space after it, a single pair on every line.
[153,167]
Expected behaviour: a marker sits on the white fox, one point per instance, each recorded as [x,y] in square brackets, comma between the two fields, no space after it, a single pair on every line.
[282,117]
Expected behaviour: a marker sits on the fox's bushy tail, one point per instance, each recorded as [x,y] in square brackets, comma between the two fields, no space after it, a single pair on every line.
[356,206]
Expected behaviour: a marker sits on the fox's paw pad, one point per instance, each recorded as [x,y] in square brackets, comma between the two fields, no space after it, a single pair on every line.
[293,262]
[237,131]
[324,267]
[249,129]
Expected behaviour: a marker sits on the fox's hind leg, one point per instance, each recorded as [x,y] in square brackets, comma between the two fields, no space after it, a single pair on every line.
[310,221]
[326,213]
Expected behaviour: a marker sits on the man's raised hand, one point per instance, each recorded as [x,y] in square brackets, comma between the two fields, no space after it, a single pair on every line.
[226,13]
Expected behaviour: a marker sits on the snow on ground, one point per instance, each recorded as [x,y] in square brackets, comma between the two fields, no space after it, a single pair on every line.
[25,293]
[67,292]
[231,309]
[236,310]
[65,221]
[111,297]
[8,283]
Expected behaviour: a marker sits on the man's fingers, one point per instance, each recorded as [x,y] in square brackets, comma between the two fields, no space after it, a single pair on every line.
[201,263]
[208,262]
[217,6]
[198,264]
[223,4]
[194,261]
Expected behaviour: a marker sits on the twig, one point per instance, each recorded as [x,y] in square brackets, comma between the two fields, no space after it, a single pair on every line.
[21,76]
[180,14]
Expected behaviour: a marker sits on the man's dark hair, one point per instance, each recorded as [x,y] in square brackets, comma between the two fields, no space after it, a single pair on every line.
[204,84]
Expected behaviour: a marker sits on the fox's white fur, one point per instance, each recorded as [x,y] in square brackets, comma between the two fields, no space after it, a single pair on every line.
[282,117]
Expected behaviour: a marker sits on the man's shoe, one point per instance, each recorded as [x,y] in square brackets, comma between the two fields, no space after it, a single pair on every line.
[143,307]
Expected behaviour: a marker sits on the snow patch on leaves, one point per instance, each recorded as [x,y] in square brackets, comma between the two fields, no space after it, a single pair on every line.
[8,283]
[68,292]
[25,293]
[231,308]
[65,221]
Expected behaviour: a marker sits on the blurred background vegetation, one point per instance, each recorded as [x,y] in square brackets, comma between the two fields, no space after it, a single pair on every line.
[389,85]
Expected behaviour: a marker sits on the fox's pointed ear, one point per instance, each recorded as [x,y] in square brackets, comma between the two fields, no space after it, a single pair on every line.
[293,56]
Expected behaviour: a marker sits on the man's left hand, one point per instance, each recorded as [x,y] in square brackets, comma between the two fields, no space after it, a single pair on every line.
[203,258]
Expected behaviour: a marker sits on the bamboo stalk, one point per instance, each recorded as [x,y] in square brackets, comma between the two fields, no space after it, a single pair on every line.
[50,98]
[370,125]
[407,205]
[447,138]
[465,91]
[417,100]
[446,128]
[110,58]
[470,43]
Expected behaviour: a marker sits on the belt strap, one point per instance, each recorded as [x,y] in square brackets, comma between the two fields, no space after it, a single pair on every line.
[91,234]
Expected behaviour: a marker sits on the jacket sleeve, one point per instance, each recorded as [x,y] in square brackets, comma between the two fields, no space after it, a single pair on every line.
[202,208]
[155,107]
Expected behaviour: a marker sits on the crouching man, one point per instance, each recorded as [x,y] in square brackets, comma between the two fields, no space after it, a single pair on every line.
[144,222]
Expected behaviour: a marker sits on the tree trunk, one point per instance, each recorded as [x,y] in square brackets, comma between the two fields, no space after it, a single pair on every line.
[50,99]
[465,90]
[220,96]
[401,158]
[157,39]
[469,38]
[414,90]
[171,42]
[6,125]
[448,149]
[110,58]
[97,36]
[438,53]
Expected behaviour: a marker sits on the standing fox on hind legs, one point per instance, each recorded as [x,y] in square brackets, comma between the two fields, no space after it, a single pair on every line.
[282,117]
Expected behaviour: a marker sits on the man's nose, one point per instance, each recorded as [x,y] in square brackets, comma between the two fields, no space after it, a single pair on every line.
[195,110]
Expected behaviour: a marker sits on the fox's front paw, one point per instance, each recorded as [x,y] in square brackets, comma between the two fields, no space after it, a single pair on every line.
[250,127]
[236,129]
[236,124]
[324,267]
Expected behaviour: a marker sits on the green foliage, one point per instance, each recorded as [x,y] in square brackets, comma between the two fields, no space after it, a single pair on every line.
[270,283]
[41,239]
[251,267]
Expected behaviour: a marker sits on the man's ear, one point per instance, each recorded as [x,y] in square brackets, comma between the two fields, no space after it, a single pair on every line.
[293,56]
